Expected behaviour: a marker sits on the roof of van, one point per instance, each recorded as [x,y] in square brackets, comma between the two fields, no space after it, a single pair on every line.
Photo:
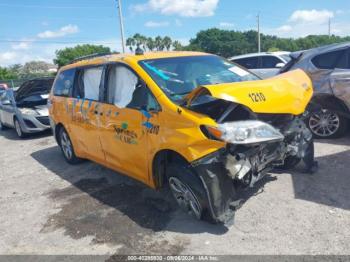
[130,56]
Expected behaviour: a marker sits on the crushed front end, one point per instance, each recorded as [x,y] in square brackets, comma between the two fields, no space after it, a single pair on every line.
[257,140]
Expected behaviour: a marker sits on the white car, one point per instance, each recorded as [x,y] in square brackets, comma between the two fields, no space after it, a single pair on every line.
[264,64]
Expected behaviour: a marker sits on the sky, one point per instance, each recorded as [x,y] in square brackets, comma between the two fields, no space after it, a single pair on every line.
[35,29]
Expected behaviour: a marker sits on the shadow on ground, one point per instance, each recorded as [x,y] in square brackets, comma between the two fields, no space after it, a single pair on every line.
[11,134]
[330,185]
[114,209]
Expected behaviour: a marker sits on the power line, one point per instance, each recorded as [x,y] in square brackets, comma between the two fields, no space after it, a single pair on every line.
[53,7]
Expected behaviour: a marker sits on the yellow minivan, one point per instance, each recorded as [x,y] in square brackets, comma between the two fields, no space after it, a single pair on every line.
[192,121]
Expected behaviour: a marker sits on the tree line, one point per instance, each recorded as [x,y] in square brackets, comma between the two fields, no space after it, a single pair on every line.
[225,43]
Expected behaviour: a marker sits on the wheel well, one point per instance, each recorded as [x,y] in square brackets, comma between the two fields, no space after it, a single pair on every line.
[57,130]
[326,99]
[160,162]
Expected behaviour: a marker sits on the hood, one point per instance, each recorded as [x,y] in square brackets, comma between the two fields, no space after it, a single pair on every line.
[288,93]
[34,87]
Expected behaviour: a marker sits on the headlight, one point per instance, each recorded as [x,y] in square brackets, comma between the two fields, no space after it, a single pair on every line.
[28,111]
[245,132]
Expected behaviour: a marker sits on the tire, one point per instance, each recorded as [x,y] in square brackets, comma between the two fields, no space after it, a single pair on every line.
[327,122]
[18,129]
[189,193]
[67,148]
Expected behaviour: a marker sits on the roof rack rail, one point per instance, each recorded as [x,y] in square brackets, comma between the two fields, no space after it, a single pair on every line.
[92,56]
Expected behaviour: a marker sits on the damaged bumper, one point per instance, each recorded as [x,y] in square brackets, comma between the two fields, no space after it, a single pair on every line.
[223,171]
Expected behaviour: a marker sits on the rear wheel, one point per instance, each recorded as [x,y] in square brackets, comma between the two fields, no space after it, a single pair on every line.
[327,123]
[18,129]
[189,192]
[67,147]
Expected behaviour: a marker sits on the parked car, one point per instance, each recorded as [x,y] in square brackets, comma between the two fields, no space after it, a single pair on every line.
[264,64]
[329,69]
[3,87]
[193,121]
[26,110]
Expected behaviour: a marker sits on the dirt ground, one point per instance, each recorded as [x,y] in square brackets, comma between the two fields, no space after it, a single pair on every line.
[50,207]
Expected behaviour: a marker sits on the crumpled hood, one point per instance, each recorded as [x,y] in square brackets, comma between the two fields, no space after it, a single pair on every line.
[288,93]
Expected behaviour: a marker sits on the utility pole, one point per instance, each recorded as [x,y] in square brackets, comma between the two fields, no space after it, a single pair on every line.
[329,27]
[259,41]
[121,24]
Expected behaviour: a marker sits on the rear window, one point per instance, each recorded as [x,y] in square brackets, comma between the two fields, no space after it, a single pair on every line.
[64,83]
[249,62]
[331,60]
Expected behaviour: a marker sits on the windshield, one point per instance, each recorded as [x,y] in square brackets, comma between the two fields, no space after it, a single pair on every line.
[287,58]
[178,76]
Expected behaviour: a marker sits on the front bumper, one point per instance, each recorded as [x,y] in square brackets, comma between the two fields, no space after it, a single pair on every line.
[34,123]
[223,171]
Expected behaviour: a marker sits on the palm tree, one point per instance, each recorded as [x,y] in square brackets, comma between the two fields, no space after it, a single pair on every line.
[150,43]
[130,42]
[167,42]
[158,41]
[177,45]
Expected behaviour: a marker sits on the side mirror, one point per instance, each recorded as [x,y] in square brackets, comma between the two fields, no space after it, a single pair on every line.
[280,65]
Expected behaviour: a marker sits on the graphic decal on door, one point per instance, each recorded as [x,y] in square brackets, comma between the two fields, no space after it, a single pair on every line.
[125,135]
[151,128]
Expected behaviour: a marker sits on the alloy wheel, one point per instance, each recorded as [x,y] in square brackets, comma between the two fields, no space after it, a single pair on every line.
[324,123]
[185,197]
[66,145]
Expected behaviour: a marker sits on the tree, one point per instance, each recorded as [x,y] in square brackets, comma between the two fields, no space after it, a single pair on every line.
[177,45]
[167,42]
[6,74]
[66,55]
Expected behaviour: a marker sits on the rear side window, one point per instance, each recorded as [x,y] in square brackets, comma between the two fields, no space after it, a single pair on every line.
[64,83]
[331,60]
[121,86]
[92,80]
[270,61]
[249,62]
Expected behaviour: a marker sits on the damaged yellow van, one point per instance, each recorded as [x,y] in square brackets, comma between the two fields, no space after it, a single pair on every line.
[192,121]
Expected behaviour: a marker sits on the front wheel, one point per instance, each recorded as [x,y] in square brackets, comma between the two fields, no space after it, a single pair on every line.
[327,123]
[18,129]
[67,147]
[189,192]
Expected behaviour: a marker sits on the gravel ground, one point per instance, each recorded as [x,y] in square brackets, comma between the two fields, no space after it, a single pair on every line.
[50,207]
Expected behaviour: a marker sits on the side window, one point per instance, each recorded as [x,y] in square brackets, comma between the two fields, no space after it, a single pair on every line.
[330,60]
[121,85]
[126,91]
[249,62]
[270,61]
[64,83]
[91,79]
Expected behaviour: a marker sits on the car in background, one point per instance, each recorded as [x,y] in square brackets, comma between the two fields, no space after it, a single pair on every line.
[26,109]
[3,87]
[329,69]
[264,64]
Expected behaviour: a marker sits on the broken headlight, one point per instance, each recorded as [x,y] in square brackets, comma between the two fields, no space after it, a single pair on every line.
[245,132]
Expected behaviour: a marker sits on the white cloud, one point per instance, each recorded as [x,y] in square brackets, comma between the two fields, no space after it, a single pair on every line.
[226,24]
[63,31]
[311,16]
[284,28]
[186,8]
[156,24]
[21,46]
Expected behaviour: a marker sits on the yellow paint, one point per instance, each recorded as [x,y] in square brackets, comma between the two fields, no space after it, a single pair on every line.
[101,140]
